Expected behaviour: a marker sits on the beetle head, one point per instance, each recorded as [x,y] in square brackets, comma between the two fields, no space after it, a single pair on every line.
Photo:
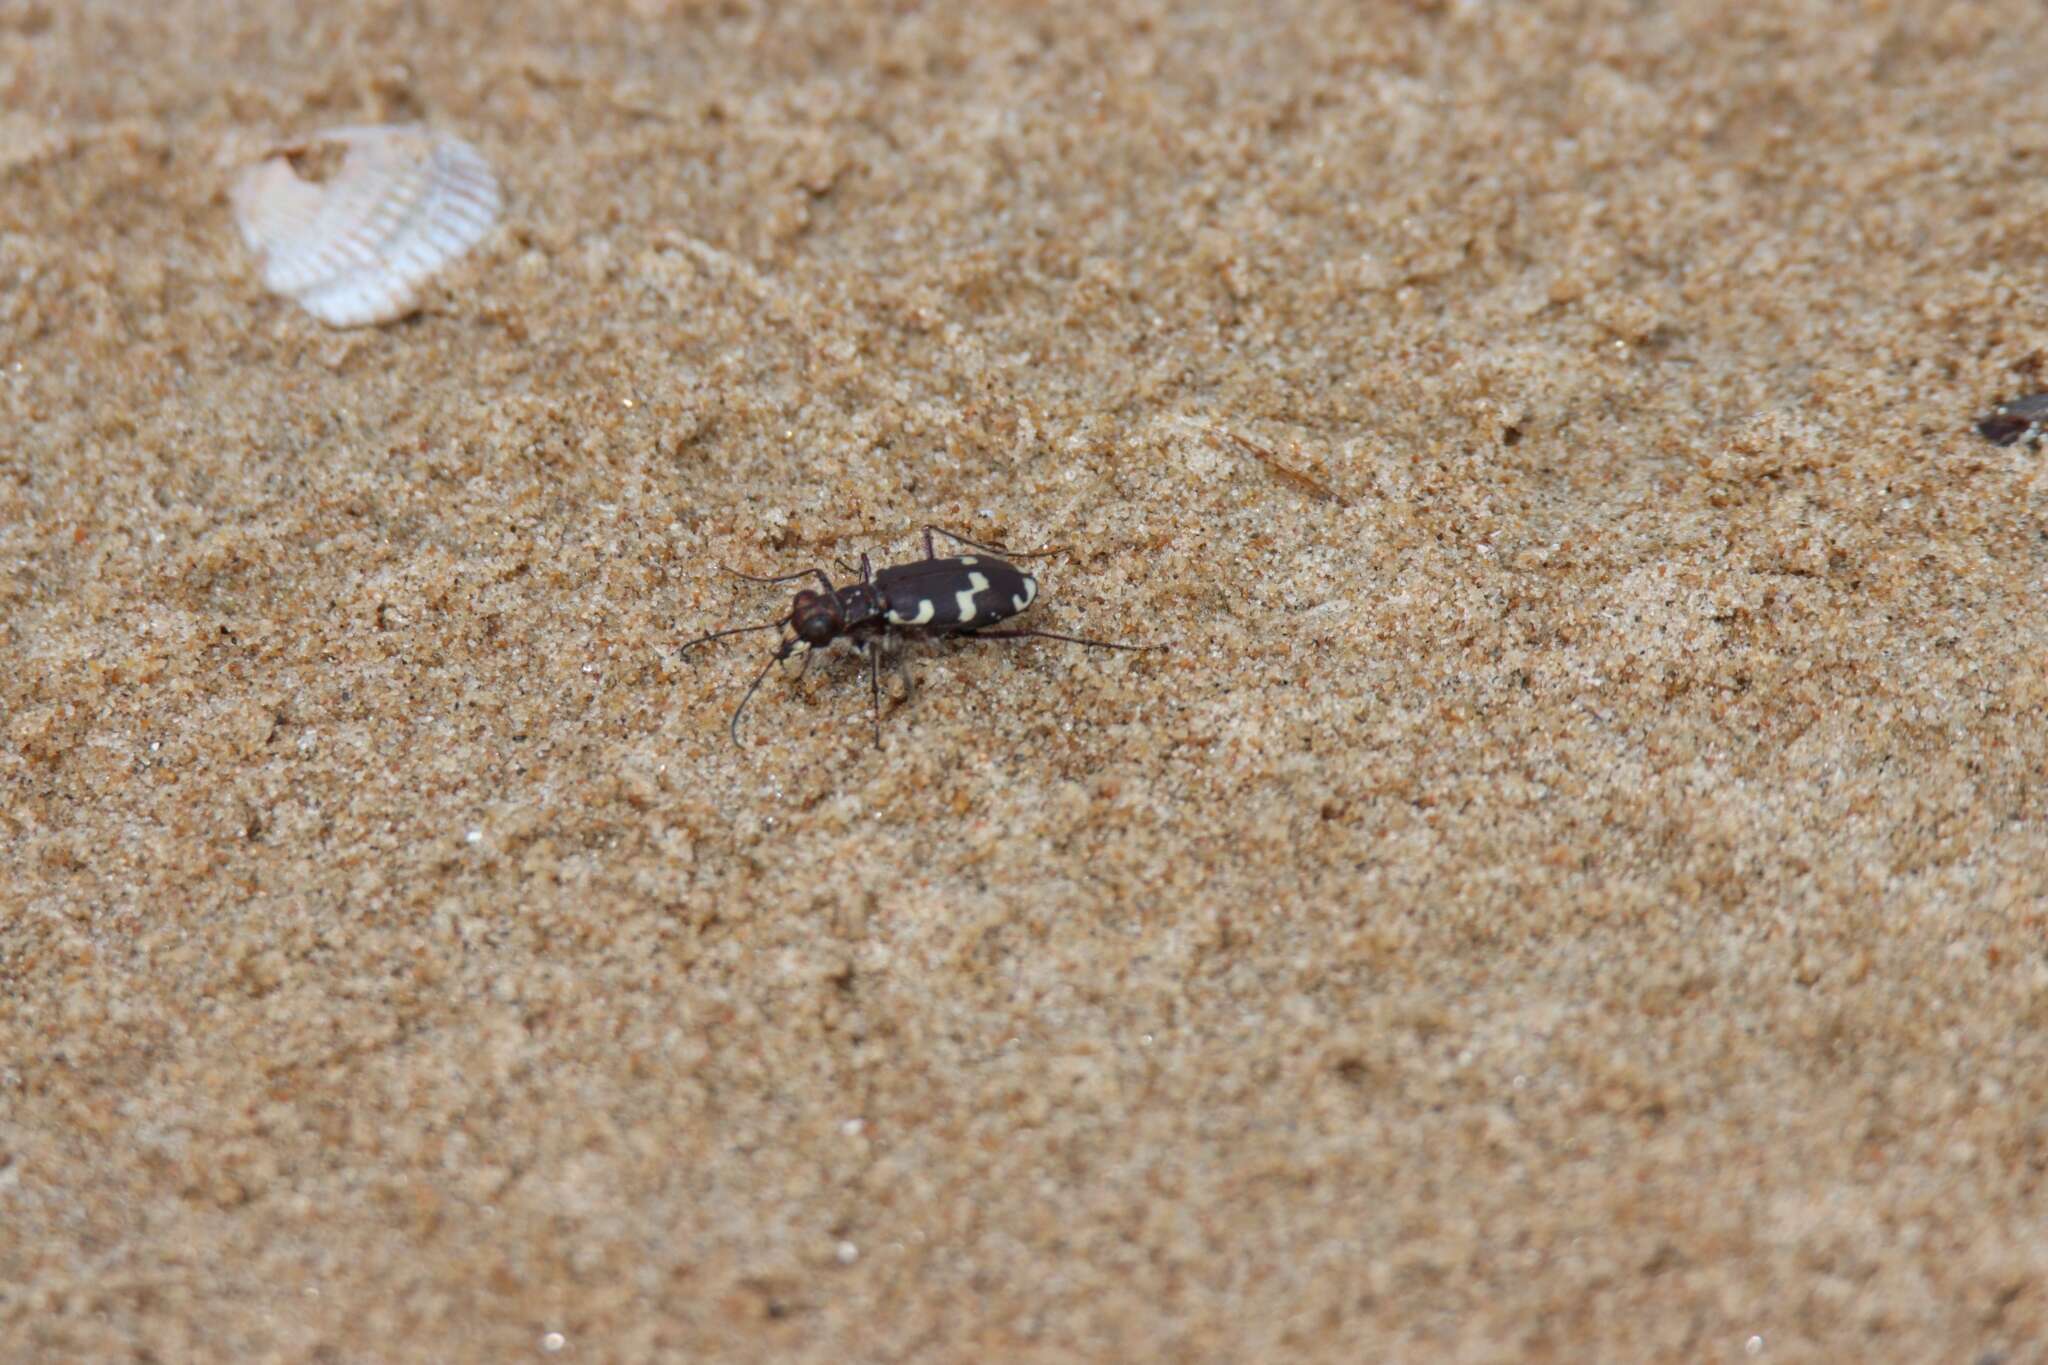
[815,617]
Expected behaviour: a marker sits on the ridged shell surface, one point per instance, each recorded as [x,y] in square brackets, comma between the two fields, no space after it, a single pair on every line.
[355,248]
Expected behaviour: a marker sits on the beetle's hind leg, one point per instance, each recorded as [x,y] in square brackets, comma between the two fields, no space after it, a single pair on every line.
[931,553]
[1051,635]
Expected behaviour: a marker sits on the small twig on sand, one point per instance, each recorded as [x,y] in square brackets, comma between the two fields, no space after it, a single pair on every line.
[1279,469]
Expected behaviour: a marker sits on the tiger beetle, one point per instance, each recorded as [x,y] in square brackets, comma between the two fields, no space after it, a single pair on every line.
[956,596]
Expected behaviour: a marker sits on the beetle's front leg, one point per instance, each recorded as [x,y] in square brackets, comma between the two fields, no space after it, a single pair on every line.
[903,676]
[873,649]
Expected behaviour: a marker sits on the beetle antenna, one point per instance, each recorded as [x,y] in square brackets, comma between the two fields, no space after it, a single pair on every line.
[784,578]
[733,726]
[776,624]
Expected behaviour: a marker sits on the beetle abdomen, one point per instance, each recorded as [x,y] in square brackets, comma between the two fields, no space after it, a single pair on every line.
[960,591]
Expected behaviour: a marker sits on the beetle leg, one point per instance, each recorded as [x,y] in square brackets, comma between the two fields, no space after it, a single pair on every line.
[1047,635]
[903,674]
[874,653]
[929,531]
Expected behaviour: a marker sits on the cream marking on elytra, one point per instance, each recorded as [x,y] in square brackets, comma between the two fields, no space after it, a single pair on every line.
[976,583]
[925,612]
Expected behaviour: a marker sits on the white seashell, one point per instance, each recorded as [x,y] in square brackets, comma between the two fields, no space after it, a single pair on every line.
[355,248]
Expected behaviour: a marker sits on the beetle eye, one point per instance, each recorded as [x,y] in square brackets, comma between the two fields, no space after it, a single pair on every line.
[815,624]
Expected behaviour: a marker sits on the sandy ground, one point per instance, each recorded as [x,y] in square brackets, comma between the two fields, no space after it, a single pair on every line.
[1573,890]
